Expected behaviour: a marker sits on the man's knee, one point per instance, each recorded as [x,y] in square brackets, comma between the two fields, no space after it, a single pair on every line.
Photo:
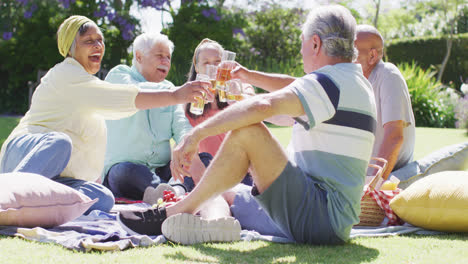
[119,175]
[249,133]
[125,170]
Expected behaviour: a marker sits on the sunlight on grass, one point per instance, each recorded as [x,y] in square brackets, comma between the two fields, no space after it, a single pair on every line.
[427,139]
[241,246]
[289,259]
[431,139]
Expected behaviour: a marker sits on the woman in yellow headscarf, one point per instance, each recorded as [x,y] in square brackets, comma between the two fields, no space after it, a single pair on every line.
[63,135]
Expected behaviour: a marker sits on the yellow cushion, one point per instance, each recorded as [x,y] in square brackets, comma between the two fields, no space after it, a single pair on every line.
[438,202]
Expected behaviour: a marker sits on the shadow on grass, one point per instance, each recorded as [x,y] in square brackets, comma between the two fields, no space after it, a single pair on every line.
[265,252]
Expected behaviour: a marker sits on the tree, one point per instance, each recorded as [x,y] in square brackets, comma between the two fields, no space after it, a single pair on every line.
[377,10]
[394,23]
[273,38]
[194,21]
[450,11]
[439,17]
[28,42]
[427,18]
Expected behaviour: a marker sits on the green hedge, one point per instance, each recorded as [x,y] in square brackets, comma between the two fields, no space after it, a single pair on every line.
[429,52]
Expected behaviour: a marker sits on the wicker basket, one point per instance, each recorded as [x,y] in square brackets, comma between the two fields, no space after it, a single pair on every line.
[371,213]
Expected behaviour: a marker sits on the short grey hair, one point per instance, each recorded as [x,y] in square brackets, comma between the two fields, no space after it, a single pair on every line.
[336,28]
[144,42]
[369,30]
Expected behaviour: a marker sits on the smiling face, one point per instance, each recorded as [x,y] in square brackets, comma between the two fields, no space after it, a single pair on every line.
[89,49]
[154,65]
[208,55]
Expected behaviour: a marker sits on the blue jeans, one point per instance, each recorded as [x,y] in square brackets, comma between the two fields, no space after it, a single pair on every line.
[129,180]
[48,154]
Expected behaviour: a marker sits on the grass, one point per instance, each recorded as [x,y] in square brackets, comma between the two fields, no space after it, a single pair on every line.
[427,139]
[402,249]
[6,125]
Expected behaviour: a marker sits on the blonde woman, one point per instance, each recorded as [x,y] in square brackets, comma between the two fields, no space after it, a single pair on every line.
[209,52]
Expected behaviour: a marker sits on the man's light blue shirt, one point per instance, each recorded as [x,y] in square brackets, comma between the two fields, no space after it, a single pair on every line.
[143,138]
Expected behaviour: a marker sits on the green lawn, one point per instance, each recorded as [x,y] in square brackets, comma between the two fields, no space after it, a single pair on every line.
[402,249]
[427,139]
[6,125]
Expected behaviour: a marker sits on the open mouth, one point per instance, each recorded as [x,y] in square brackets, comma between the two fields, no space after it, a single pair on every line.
[95,57]
[162,69]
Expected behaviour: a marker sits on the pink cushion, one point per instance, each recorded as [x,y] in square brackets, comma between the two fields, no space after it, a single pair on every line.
[30,200]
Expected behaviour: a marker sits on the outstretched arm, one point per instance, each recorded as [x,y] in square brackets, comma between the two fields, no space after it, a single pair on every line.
[148,98]
[267,81]
[241,114]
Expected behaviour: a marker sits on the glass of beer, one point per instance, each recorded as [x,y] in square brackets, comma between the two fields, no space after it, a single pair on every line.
[234,90]
[228,55]
[224,73]
[211,71]
[197,107]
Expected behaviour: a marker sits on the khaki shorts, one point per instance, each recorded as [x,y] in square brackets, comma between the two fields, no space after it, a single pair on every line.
[298,206]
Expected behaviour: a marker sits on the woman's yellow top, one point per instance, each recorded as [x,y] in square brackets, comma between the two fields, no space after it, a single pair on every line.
[74,102]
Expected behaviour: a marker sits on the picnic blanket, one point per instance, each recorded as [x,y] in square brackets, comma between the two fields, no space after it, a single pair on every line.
[101,231]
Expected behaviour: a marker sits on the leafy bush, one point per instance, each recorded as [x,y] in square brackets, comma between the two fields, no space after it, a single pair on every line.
[293,67]
[194,21]
[432,102]
[274,33]
[266,40]
[429,52]
[272,42]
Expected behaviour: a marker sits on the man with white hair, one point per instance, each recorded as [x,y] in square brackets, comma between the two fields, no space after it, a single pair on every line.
[312,191]
[138,147]
[395,130]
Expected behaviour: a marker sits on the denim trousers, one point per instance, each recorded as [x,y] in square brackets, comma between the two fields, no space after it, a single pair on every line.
[47,154]
[130,180]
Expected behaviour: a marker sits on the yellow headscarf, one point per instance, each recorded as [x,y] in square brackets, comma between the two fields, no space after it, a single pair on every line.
[67,32]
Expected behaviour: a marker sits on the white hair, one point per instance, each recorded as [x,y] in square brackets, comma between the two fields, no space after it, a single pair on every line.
[146,41]
[336,28]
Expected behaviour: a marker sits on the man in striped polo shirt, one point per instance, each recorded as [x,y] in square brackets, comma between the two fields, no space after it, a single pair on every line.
[312,191]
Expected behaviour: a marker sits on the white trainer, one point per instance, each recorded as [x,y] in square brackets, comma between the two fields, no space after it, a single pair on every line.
[190,229]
